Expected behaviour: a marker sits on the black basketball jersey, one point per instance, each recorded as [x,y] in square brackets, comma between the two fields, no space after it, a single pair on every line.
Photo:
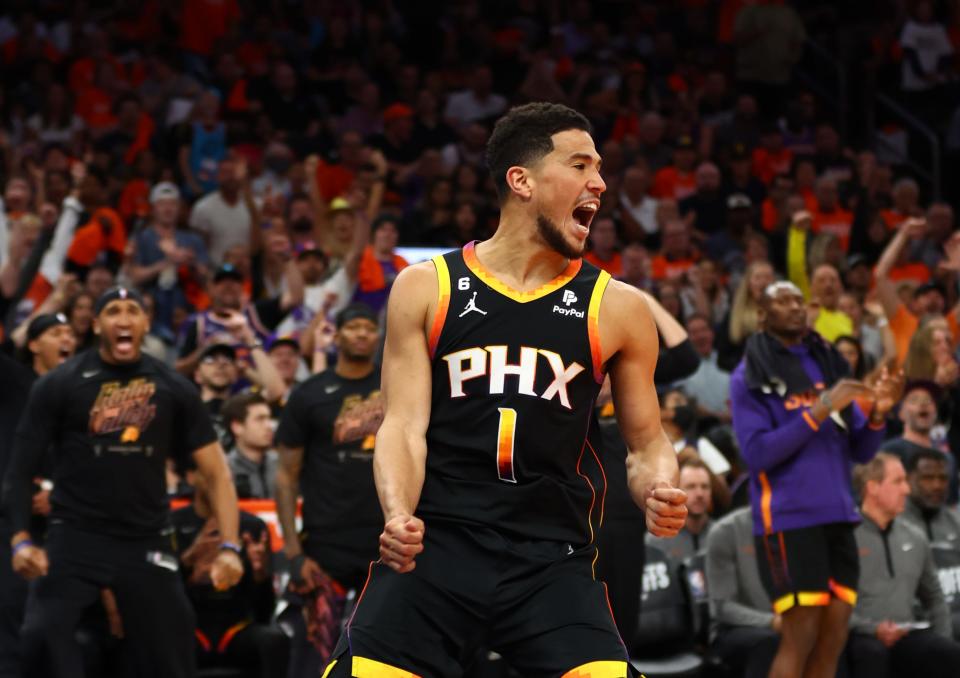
[515,377]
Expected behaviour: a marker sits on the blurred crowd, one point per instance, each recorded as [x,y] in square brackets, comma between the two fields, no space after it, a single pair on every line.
[256,168]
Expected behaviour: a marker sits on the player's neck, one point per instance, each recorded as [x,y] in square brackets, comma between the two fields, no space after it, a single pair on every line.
[353,369]
[517,257]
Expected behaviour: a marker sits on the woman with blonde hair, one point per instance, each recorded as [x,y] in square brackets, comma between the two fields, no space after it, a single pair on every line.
[741,321]
[930,355]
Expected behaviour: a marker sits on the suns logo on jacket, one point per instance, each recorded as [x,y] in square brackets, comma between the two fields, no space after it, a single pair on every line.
[123,408]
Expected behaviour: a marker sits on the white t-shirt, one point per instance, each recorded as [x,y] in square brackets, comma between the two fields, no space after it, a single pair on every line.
[463,107]
[338,289]
[225,225]
[931,44]
[643,212]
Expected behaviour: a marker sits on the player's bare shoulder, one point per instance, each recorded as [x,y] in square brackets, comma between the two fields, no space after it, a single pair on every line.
[414,293]
[625,320]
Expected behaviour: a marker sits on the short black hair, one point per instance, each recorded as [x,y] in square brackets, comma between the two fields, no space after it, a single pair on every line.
[913,461]
[235,409]
[523,136]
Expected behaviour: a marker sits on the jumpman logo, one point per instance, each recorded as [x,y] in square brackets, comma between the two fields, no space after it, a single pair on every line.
[472,306]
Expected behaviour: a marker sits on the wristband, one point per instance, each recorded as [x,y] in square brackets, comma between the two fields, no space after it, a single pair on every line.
[20,545]
[825,401]
[255,345]
[230,546]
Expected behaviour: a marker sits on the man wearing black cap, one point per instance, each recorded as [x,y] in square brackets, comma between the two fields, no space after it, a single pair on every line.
[112,418]
[228,311]
[325,440]
[918,412]
[50,342]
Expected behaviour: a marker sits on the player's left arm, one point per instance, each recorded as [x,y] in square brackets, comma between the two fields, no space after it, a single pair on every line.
[212,465]
[628,339]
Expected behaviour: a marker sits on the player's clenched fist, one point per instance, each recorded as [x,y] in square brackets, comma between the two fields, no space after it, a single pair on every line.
[401,541]
[666,510]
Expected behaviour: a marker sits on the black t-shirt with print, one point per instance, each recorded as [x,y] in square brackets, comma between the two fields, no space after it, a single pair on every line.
[111,429]
[334,419]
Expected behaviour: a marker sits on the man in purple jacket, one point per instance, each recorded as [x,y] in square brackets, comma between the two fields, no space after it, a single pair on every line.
[800,431]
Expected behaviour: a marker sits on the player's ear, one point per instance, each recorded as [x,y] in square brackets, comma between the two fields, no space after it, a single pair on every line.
[96,326]
[520,182]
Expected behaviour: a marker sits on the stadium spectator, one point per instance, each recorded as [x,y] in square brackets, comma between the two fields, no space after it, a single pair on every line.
[232,320]
[603,246]
[695,481]
[709,385]
[252,461]
[926,508]
[918,413]
[744,629]
[896,571]
[638,210]
[168,262]
[226,215]
[905,319]
[233,628]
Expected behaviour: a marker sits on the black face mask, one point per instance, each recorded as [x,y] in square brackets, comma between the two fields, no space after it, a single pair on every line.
[303,225]
[684,416]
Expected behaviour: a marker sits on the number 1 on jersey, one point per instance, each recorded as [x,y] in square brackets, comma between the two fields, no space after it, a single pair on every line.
[505,435]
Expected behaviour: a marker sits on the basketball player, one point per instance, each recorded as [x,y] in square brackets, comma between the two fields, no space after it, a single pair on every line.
[112,417]
[491,496]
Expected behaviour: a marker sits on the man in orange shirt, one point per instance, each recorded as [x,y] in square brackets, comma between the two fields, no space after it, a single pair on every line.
[677,181]
[830,216]
[927,299]
[677,253]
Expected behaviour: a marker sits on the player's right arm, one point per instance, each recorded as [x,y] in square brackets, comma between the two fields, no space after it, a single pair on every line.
[399,462]
[32,439]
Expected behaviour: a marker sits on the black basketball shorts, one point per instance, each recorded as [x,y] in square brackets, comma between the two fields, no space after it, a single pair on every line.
[809,566]
[535,603]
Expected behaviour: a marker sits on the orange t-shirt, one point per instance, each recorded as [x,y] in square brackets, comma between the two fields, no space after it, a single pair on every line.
[203,22]
[669,182]
[662,268]
[134,200]
[839,222]
[893,218]
[96,108]
[333,180]
[767,165]
[768,215]
[919,273]
[90,239]
[613,265]
[904,324]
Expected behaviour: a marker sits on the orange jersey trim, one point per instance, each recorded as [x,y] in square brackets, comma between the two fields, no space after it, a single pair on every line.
[807,417]
[766,498]
[593,324]
[473,263]
[843,593]
[801,598]
[443,302]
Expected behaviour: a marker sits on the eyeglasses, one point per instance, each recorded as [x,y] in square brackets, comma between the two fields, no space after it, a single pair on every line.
[211,359]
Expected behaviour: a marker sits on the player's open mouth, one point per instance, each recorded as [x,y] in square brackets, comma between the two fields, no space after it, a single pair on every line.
[124,341]
[584,213]
[64,353]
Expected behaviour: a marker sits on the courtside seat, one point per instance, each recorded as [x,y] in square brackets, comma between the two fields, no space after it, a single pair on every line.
[665,642]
